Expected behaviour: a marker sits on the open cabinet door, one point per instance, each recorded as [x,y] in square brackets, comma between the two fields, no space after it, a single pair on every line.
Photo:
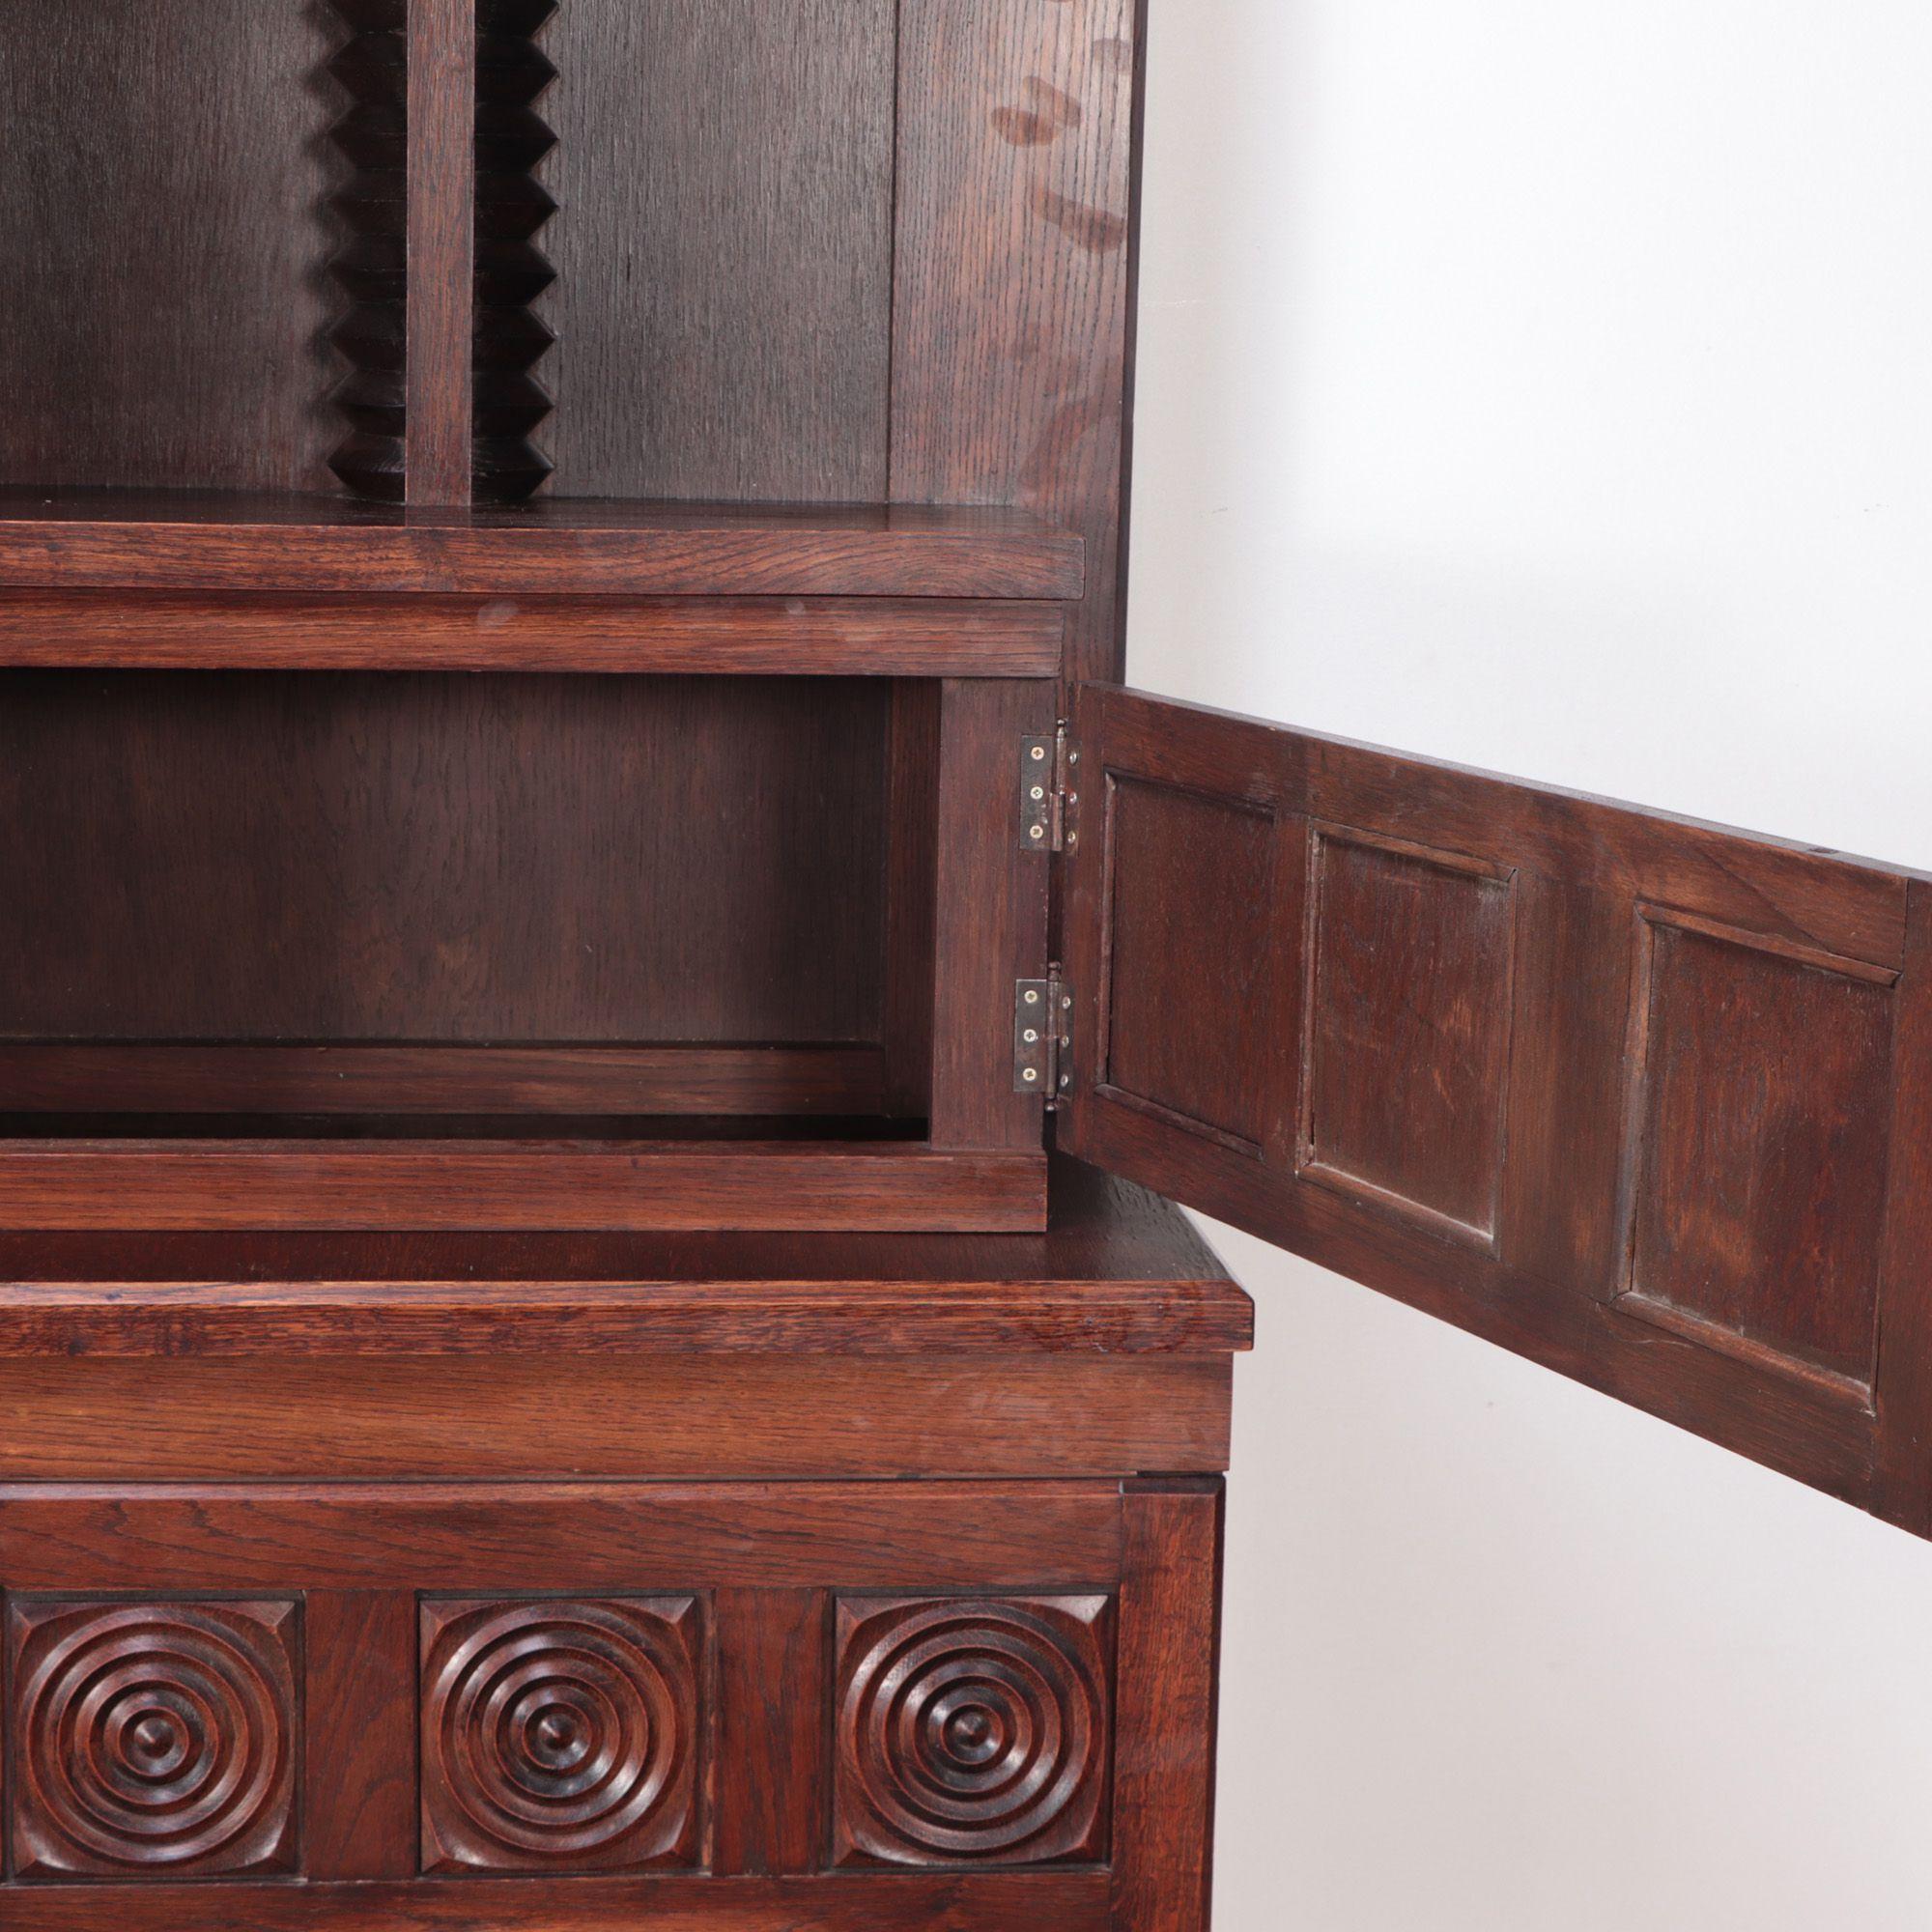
[1645,1101]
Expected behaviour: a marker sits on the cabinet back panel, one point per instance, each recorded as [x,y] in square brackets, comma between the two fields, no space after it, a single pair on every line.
[165,236]
[260,856]
[723,175]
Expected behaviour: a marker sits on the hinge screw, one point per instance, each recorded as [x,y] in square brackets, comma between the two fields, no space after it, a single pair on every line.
[1037,832]
[1038,753]
[1031,1074]
[1032,998]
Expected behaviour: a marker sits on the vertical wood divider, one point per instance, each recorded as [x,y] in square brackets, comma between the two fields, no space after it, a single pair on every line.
[441,248]
[774,1715]
[991,914]
[360,1773]
[912,802]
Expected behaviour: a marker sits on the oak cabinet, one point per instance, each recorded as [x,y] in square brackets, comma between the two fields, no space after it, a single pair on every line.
[606,992]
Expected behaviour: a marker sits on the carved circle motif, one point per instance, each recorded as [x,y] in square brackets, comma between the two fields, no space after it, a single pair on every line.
[156,1736]
[561,1733]
[974,1731]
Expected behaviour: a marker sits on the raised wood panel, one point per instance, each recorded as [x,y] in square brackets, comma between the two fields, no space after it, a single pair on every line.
[1406,1049]
[1759,1120]
[723,178]
[562,1735]
[1627,1093]
[972,1731]
[1191,901]
[154,1740]
[164,307]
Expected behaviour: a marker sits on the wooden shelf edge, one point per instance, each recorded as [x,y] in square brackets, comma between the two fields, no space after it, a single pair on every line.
[232,1321]
[275,1184]
[732,635]
[161,542]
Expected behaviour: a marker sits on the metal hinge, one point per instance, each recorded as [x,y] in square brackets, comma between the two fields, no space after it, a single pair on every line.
[1049,797]
[1043,1036]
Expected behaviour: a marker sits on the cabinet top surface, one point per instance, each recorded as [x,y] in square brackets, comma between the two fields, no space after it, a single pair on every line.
[1118,1271]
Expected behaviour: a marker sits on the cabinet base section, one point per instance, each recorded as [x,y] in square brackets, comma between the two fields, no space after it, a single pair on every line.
[720,1707]
[639,1186]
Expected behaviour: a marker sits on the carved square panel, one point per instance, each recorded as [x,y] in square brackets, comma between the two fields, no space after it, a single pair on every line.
[1406,1041]
[1760,1121]
[1190,911]
[973,1732]
[152,1740]
[560,1736]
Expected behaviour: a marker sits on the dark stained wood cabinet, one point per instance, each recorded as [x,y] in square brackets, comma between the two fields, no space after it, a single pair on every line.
[575,835]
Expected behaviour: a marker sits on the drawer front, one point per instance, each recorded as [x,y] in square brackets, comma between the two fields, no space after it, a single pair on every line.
[743,1705]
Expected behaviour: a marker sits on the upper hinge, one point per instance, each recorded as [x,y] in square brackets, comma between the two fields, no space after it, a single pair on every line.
[1043,1036]
[1049,794]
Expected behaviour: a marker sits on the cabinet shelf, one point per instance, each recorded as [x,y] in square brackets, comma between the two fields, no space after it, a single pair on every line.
[183,541]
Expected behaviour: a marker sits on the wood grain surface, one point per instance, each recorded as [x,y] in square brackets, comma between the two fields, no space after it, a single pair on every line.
[724,246]
[289,858]
[1614,1089]
[648,1416]
[910,638]
[181,541]
[164,302]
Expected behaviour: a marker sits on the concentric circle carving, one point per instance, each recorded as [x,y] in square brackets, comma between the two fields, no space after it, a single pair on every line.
[559,1734]
[972,1731]
[155,1736]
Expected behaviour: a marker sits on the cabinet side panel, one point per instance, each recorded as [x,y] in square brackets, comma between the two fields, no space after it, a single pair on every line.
[992,912]
[1169,1668]
[1016,223]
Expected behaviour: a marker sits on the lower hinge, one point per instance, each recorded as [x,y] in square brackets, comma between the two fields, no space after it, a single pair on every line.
[1049,794]
[1043,1038]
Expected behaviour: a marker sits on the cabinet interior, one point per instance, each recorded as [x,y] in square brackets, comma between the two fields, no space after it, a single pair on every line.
[433,905]
[700,207]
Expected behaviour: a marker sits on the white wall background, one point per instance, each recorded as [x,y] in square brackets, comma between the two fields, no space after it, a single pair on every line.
[1547,385]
